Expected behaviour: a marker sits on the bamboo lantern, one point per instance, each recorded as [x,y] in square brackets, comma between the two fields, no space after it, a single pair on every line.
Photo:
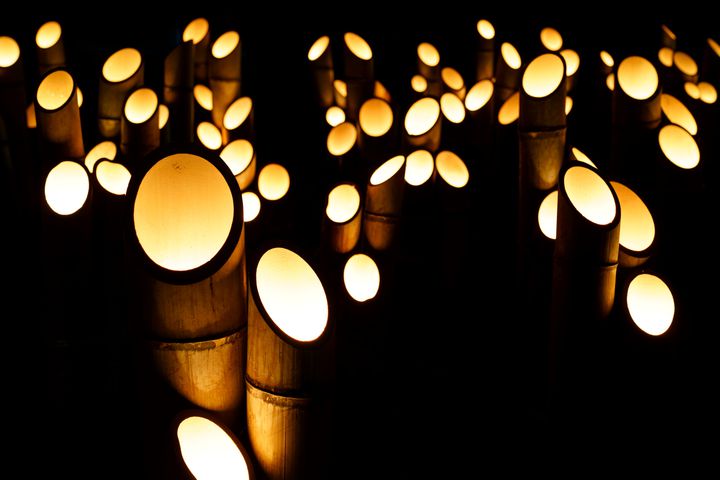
[361,278]
[453,82]
[708,93]
[140,125]
[668,39]
[341,143]
[163,118]
[342,221]
[572,65]
[419,86]
[686,66]
[334,116]
[50,49]
[359,73]
[121,72]
[423,124]
[251,206]
[277,219]
[240,156]
[668,76]
[239,120]
[509,112]
[649,304]
[485,51]
[203,102]
[198,32]
[418,204]
[103,150]
[383,204]
[678,172]
[507,72]
[453,116]
[637,228]
[428,61]
[480,110]
[676,112]
[340,92]
[547,215]
[12,98]
[323,74]
[178,92]
[113,177]
[224,73]
[377,136]
[58,117]
[252,210]
[381,92]
[551,39]
[711,61]
[607,63]
[110,183]
[209,136]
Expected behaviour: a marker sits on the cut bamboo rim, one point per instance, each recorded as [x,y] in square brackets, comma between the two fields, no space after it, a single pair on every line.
[607,62]
[12,98]
[551,39]
[686,65]
[381,92]
[679,147]
[578,156]
[113,177]
[273,182]
[572,65]
[358,57]
[67,188]
[667,37]
[321,65]
[9,52]
[178,81]
[239,119]
[637,100]
[384,195]
[665,57]
[341,139]
[163,116]
[650,304]
[251,206]
[334,116]
[343,218]
[376,133]
[485,56]
[361,277]
[428,61]
[224,73]
[479,95]
[141,105]
[419,84]
[547,215]
[240,156]
[203,96]
[677,113]
[510,110]
[209,135]
[319,53]
[50,49]
[340,93]
[422,124]
[453,82]
[140,125]
[32,119]
[105,149]
[637,228]
[452,169]
[58,116]
[419,167]
[692,90]
[121,72]
[452,108]
[198,32]
[708,93]
[507,71]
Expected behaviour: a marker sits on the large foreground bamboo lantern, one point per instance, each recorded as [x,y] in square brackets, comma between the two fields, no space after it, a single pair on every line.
[384,195]
[121,72]
[198,32]
[225,73]
[359,73]
[290,364]
[58,118]
[321,69]
[178,82]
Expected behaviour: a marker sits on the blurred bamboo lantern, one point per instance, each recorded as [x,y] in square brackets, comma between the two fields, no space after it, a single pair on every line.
[610,82]
[359,73]
[679,147]
[67,188]
[383,204]
[341,92]
[650,304]
[711,61]
[419,167]
[381,92]
[113,177]
[428,64]
[32,119]
[708,93]
[453,114]
[103,150]
[453,171]
[578,156]
[203,99]
[479,106]
[607,63]
[321,67]
[277,221]
[572,65]
[12,97]
[485,51]
[423,124]
[240,156]
[334,116]
[163,118]
[341,144]
[678,172]
[637,228]
[507,72]
[198,32]
[58,117]
[377,136]
[665,57]
[209,136]
[509,112]
[551,39]
[453,82]
[178,82]
[676,112]
[224,73]
[668,39]
[239,120]
[419,84]
[121,72]
[692,90]
[251,206]
[686,65]
[289,366]
[50,49]
[140,126]
[547,215]
[342,221]
[361,277]
[252,209]
[111,180]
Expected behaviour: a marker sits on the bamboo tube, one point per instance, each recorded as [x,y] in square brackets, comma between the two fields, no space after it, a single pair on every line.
[334,116]
[453,118]
[58,117]
[203,103]
[198,32]
[485,51]
[140,127]
[12,101]
[321,68]
[359,72]
[340,93]
[239,120]
[342,221]
[341,144]
[677,167]
[676,112]
[103,150]
[453,82]
[507,72]
[606,64]
[480,110]
[419,85]
[50,49]
[637,228]
[121,72]
[178,93]
[667,37]
[423,124]
[225,73]
[686,66]
[711,61]
[240,156]
[572,65]
[428,61]
[383,204]
[208,136]
[551,39]
[377,135]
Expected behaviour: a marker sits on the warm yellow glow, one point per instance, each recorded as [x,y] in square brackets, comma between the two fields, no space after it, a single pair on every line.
[418,83]
[665,56]
[386,171]
[196,30]
[121,65]
[375,117]
[511,56]
[428,54]
[183,212]
[163,115]
[651,304]
[80,97]
[486,29]
[551,39]
[273,182]
[637,78]
[362,277]
[452,78]
[318,48]
[251,206]
[340,87]
[237,155]
[209,135]
[209,452]
[547,215]
[479,95]
[422,116]
[714,46]
[607,59]
[113,177]
[106,149]
[543,75]
[341,139]
[668,32]
[590,195]
[679,146]
[581,157]
[358,46]
[9,51]
[343,202]
[452,169]
[67,187]
[30,116]
[292,294]
[452,107]
[55,90]
[678,113]
[419,167]
[637,229]
[140,105]
[334,116]
[203,96]
[237,112]
[692,90]
[568,105]
[572,61]
[48,34]
[610,81]
[510,110]
[381,92]
[685,63]
[225,44]
[708,93]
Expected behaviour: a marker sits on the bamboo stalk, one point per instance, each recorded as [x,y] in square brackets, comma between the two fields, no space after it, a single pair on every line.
[225,73]
[121,72]
[58,117]
[178,93]
[49,46]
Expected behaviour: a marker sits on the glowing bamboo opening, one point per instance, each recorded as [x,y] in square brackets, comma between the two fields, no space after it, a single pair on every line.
[67,187]
[9,52]
[386,171]
[163,115]
[419,167]
[48,35]
[685,63]
[237,113]
[610,81]
[343,202]
[209,135]
[510,55]
[486,29]
[543,75]
[273,182]
[318,48]
[679,146]
[428,54]
[225,44]
[452,78]
[637,228]
[183,212]
[607,59]
[141,105]
[714,46]
[375,117]
[203,96]
[452,107]
[678,113]
[590,195]
[671,35]
[452,169]
[418,83]
[510,110]
[479,95]
[692,90]
[568,105]
[547,215]
[341,139]
[237,155]
[292,294]
[55,90]
[572,61]
[361,277]
[251,206]
[340,87]
[121,65]
[708,93]
[334,116]
[103,150]
[381,92]
[358,46]
[196,31]
[650,304]
[551,39]
[637,78]
[209,452]
[581,157]
[422,116]
[30,116]
[80,97]
[665,56]
[113,177]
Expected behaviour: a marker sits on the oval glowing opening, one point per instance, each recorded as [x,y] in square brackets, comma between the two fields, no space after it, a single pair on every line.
[358,46]
[486,29]
[637,229]
[196,31]
[610,81]
[511,56]
[163,116]
[140,105]
[375,117]
[607,59]
[55,90]
[543,75]
[209,452]
[692,90]
[452,169]
[479,95]
[551,39]
[381,92]
[341,139]
[708,93]
[237,155]
[203,96]
[678,113]
[568,105]
[419,167]
[362,277]
[343,202]
[714,46]
[581,157]
[334,116]
[340,87]
[48,34]
[651,304]
[418,83]
[273,182]
[225,44]
[209,135]
[679,146]
[292,294]
[671,35]
[685,63]
[386,171]
[318,48]
[547,215]
[9,51]
[237,113]
[30,116]
[79,97]
[572,61]
[665,56]
[452,107]
[122,65]
[106,149]
[113,177]
[428,54]
[422,116]
[637,78]
[67,187]
[251,206]
[452,78]
[510,110]
[590,195]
